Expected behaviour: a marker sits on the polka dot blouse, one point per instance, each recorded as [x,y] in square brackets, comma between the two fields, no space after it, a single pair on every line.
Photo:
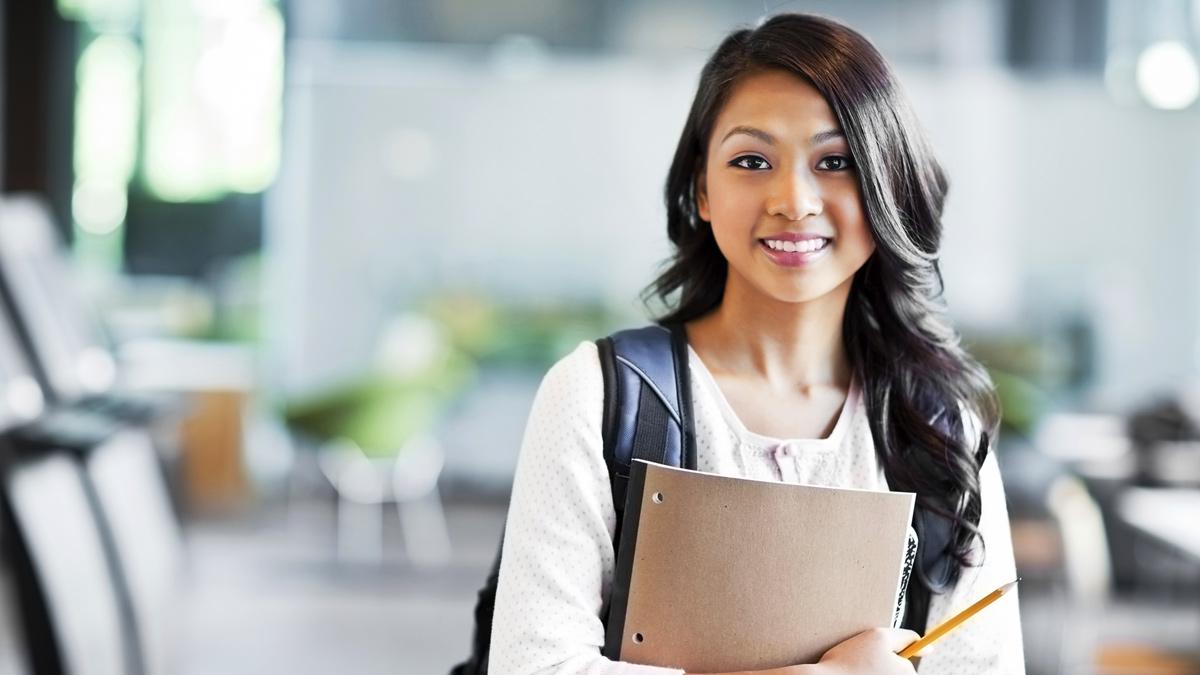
[557,563]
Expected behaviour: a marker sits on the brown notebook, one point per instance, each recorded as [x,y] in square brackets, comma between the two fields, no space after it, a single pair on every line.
[718,574]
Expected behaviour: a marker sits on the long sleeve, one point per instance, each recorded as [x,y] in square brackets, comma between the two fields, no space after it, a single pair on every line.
[990,642]
[557,559]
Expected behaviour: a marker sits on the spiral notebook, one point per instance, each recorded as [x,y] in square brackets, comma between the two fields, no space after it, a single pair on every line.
[717,573]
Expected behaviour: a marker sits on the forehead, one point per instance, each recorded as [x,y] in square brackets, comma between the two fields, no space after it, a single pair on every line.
[776,101]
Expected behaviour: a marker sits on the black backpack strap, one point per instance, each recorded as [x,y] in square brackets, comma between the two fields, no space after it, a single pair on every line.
[647,402]
[683,384]
[937,571]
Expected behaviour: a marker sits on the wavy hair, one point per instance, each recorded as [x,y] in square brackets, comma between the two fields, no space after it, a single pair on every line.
[919,383]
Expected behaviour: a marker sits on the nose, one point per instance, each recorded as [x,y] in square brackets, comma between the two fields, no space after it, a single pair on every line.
[795,196]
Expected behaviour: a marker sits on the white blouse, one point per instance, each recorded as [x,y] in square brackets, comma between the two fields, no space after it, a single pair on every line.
[557,561]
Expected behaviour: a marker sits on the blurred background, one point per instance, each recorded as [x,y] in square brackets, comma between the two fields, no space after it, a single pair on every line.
[280,279]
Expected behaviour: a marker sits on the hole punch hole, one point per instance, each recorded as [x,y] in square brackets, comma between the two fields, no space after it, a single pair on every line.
[658,497]
[638,638]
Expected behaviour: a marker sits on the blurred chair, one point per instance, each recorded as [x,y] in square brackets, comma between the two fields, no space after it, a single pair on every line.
[134,519]
[14,660]
[377,441]
[1086,571]
[365,484]
[70,349]
[146,540]
[415,489]
[1097,446]
[72,610]
[124,513]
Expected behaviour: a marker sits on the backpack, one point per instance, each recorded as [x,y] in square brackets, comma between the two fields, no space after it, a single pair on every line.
[648,415]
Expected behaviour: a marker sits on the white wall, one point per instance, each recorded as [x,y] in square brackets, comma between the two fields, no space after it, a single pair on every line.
[543,181]
[542,186]
[1063,201]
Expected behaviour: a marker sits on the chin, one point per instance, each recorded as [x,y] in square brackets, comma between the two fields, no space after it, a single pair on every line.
[806,290]
[797,296]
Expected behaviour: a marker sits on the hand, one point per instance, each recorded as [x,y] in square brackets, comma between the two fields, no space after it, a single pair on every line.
[871,651]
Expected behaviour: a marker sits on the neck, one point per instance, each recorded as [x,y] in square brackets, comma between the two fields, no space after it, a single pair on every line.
[786,344]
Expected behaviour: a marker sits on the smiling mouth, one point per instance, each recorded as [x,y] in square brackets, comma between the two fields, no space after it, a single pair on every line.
[802,246]
[796,254]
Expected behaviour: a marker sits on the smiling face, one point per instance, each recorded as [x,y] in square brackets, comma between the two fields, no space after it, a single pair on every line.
[781,191]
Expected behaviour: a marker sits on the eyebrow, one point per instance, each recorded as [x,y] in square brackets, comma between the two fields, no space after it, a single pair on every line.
[817,139]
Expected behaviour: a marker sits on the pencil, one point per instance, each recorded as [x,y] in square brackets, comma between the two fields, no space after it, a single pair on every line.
[953,622]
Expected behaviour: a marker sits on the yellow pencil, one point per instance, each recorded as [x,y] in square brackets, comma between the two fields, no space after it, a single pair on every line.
[953,622]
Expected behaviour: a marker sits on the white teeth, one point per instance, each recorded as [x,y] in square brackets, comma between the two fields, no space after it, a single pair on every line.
[803,246]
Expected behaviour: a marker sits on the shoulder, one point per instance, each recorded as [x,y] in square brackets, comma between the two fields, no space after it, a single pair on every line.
[576,371]
[562,448]
[572,391]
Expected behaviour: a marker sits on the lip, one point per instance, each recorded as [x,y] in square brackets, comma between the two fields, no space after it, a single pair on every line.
[795,258]
[796,236]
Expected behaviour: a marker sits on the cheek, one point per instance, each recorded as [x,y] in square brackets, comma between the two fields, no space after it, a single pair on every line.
[852,222]
[733,214]
[733,208]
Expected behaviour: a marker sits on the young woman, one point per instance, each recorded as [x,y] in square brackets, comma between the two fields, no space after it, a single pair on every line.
[804,205]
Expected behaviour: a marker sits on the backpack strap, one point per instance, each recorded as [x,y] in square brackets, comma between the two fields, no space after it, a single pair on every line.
[647,403]
[937,570]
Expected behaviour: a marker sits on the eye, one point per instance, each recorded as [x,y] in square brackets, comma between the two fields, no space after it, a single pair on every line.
[741,162]
[835,163]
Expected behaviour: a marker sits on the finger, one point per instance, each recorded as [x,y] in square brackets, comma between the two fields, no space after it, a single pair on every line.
[899,638]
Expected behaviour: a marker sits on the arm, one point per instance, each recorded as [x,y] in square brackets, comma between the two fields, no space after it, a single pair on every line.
[871,652]
[989,643]
[557,561]
[810,669]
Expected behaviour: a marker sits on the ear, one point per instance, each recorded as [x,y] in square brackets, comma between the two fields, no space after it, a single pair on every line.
[702,196]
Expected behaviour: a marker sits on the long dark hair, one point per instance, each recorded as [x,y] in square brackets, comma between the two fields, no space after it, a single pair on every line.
[918,382]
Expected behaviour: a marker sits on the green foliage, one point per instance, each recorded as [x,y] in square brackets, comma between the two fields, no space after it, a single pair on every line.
[381,412]
[518,335]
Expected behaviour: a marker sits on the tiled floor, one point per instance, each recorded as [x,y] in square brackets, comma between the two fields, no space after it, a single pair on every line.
[266,595]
